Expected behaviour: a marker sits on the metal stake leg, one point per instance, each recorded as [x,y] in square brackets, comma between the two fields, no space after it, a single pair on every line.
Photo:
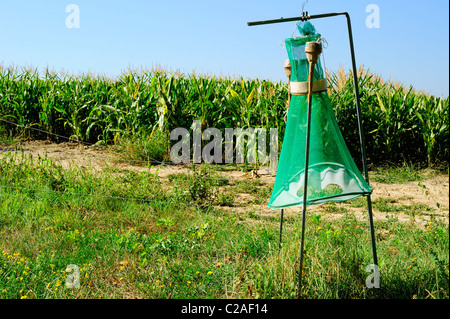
[372,231]
[302,241]
[281,228]
[361,137]
[312,50]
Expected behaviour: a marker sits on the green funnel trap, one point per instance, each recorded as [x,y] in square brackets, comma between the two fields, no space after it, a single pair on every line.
[332,172]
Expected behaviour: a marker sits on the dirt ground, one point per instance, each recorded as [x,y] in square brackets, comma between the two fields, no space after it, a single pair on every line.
[434,192]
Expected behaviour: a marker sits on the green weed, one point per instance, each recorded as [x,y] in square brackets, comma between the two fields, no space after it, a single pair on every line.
[130,235]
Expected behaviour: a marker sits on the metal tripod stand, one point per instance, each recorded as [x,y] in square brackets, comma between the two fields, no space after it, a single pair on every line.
[313,50]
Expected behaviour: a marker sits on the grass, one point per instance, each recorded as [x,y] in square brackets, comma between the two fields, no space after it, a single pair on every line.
[177,240]
[153,148]
[198,234]
[401,174]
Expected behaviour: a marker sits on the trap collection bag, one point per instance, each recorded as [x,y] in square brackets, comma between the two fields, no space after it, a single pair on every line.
[332,172]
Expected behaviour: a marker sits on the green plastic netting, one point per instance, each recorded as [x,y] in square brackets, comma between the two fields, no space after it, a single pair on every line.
[332,173]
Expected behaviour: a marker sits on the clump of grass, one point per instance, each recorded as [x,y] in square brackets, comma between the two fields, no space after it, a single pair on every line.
[333,208]
[386,205]
[225,199]
[400,174]
[202,186]
[153,148]
[6,137]
[250,186]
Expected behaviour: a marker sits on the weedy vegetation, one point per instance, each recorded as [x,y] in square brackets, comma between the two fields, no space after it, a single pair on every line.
[136,235]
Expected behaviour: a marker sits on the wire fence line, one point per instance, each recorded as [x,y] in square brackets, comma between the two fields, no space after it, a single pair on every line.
[43,131]
[74,157]
[70,156]
[8,151]
[70,139]
[97,195]
[151,161]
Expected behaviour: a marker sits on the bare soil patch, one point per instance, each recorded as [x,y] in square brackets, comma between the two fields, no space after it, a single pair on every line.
[428,198]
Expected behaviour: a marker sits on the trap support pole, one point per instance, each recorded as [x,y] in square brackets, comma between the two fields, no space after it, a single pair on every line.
[281,228]
[358,104]
[312,50]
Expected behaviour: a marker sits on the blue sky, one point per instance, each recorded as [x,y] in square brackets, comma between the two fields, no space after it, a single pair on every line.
[410,46]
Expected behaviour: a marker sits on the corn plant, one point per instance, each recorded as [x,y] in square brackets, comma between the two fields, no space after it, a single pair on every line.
[433,121]
[93,108]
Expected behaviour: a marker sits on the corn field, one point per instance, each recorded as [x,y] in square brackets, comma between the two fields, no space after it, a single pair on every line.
[401,124]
